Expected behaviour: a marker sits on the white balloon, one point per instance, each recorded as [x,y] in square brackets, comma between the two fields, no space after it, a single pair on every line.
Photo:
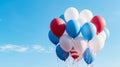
[102,35]
[85,16]
[81,21]
[97,43]
[66,43]
[71,14]
[80,45]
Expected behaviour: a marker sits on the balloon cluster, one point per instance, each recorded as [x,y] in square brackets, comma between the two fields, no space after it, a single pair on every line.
[79,35]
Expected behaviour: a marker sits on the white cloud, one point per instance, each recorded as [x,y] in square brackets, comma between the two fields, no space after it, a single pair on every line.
[50,50]
[38,48]
[11,47]
[19,48]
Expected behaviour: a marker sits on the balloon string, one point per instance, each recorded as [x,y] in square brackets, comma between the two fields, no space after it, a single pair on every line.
[80,64]
[88,44]
[91,65]
[66,64]
[57,62]
[73,41]
[69,62]
[73,63]
[77,64]
[88,65]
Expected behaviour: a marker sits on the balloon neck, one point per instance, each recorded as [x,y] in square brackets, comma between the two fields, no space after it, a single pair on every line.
[88,44]
[89,65]
[88,40]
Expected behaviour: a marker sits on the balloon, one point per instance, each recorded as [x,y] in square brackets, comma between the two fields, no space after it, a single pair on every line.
[62,17]
[80,45]
[57,26]
[86,15]
[99,22]
[74,54]
[71,14]
[88,31]
[107,32]
[81,21]
[102,35]
[97,43]
[63,55]
[73,28]
[66,43]
[88,56]
[54,39]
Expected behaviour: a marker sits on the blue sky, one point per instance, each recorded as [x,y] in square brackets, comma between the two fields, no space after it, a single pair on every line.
[24,26]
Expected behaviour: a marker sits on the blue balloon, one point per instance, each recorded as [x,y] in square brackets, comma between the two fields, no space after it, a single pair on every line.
[73,28]
[62,17]
[63,55]
[54,39]
[88,56]
[88,31]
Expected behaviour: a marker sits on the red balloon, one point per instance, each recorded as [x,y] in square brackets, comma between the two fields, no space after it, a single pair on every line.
[57,26]
[74,54]
[99,22]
